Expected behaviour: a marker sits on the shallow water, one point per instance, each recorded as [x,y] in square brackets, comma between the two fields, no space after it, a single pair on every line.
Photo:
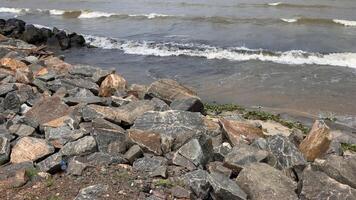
[294,55]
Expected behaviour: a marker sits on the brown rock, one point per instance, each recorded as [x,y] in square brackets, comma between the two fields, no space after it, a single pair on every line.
[112,83]
[317,141]
[169,90]
[23,77]
[2,37]
[61,121]
[14,175]
[41,72]
[48,109]
[57,65]
[138,90]
[147,140]
[30,149]
[13,65]
[238,131]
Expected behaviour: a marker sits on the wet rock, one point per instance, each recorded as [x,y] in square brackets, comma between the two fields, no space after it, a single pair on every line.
[317,141]
[4,149]
[261,181]
[30,149]
[169,90]
[342,169]
[198,183]
[82,146]
[112,83]
[189,104]
[76,40]
[286,154]
[237,131]
[242,155]
[147,140]
[317,185]
[33,35]
[51,164]
[12,102]
[94,192]
[224,188]
[21,130]
[14,175]
[14,27]
[133,153]
[61,135]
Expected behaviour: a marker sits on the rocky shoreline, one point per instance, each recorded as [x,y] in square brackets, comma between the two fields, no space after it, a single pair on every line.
[82,132]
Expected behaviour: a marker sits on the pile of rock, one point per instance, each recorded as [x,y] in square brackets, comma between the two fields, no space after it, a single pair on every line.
[60,117]
[18,29]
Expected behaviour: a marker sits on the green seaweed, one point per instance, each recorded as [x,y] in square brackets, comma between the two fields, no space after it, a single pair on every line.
[350,147]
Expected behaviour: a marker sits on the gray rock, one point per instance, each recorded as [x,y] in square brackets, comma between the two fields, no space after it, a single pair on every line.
[41,86]
[149,163]
[100,158]
[224,188]
[14,175]
[83,70]
[242,155]
[189,104]
[76,167]
[62,135]
[94,192]
[6,88]
[260,143]
[12,102]
[198,182]
[80,92]
[50,76]
[296,137]
[217,167]
[317,185]
[4,150]
[86,100]
[342,169]
[101,74]
[180,160]
[21,130]
[160,105]
[193,152]
[86,83]
[128,113]
[286,154]
[133,153]
[51,164]
[221,151]
[261,181]
[82,146]
[180,192]
[178,125]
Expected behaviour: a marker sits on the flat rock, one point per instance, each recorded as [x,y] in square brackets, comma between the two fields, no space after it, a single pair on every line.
[111,84]
[21,130]
[82,146]
[30,149]
[85,100]
[103,159]
[80,83]
[12,102]
[225,188]
[128,113]
[218,167]
[58,65]
[317,141]
[4,149]
[317,185]
[6,88]
[238,131]
[149,141]
[94,192]
[14,175]
[242,155]
[193,152]
[261,181]
[76,167]
[61,135]
[188,104]
[133,153]
[169,90]
[83,70]
[198,182]
[286,154]
[51,164]
[149,163]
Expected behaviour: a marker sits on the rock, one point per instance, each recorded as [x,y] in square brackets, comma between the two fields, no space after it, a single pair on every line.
[6,88]
[317,185]
[63,40]
[317,141]
[46,33]
[198,183]
[224,188]
[138,90]
[14,175]
[58,65]
[133,153]
[285,153]
[260,143]
[4,149]
[86,83]
[160,105]
[103,159]
[182,161]
[82,146]
[217,167]
[51,164]
[296,137]
[237,131]
[112,83]
[180,192]
[169,90]
[76,40]
[193,152]
[62,135]
[33,35]
[83,70]
[94,192]
[14,27]
[147,140]
[189,104]
[100,74]
[91,112]
[149,163]
[30,149]
[66,120]
[221,151]
[21,130]
[342,169]
[12,102]
[86,100]
[270,127]
[47,110]
[242,155]
[177,125]
[260,181]
[13,65]
[130,112]
[76,167]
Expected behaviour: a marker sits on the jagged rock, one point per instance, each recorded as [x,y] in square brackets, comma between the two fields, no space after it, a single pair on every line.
[58,65]
[238,131]
[221,151]
[30,149]
[91,112]
[21,130]
[198,183]
[260,143]
[317,141]
[160,105]
[14,175]
[138,90]
[147,140]
[217,167]
[61,135]
[261,181]
[47,110]
[213,127]
[342,169]
[286,154]
[112,83]
[51,164]
[100,159]
[80,83]
[94,192]
[224,188]
[12,102]
[317,185]
[76,40]
[130,112]
[82,146]
[296,137]
[76,167]
[33,35]
[169,90]
[12,65]
[149,163]
[4,149]
[6,88]
[188,104]
[178,125]
[180,192]
[242,155]
[133,153]
[14,27]
[193,152]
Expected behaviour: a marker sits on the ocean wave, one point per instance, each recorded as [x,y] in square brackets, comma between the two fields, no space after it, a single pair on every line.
[13,10]
[290,5]
[320,21]
[163,49]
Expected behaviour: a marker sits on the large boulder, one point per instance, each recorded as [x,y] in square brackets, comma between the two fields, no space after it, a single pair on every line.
[30,149]
[76,40]
[225,188]
[261,181]
[33,35]
[238,131]
[169,90]
[317,141]
[317,185]
[111,84]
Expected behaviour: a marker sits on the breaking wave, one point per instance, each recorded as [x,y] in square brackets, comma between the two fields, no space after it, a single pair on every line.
[163,49]
[320,21]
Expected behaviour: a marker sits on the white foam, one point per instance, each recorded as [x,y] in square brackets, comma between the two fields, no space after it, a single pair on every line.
[289,20]
[13,10]
[345,22]
[56,12]
[150,15]
[41,26]
[275,4]
[94,14]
